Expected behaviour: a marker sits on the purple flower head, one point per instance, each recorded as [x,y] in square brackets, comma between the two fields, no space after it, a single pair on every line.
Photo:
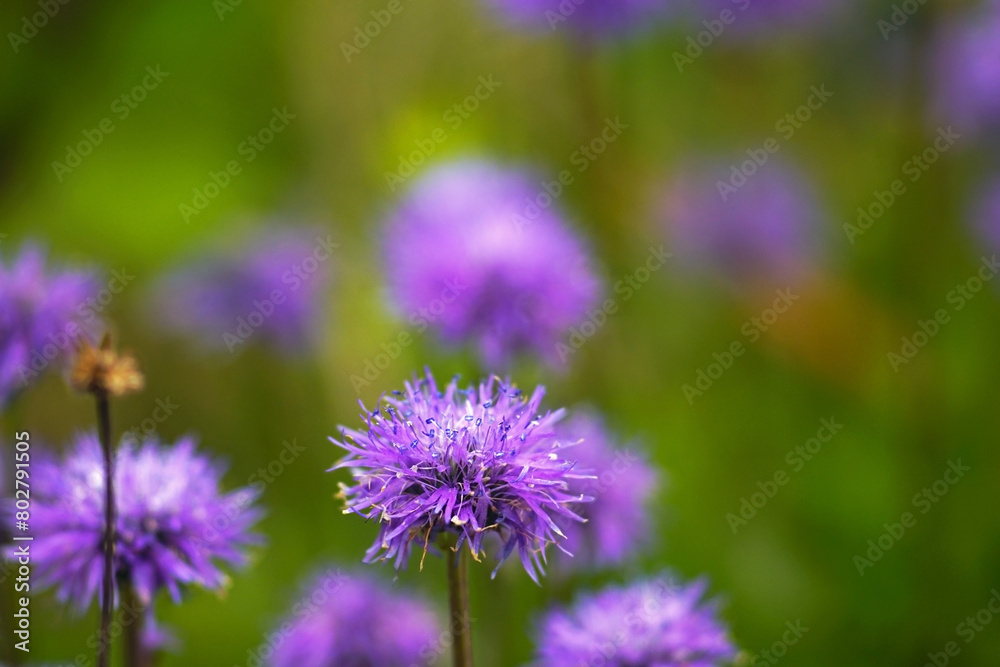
[464,255]
[270,291]
[655,623]
[765,18]
[42,312]
[766,229]
[467,462]
[346,620]
[174,524]
[966,69]
[618,518]
[587,18]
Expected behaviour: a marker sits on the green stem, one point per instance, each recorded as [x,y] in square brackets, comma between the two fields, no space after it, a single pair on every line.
[108,588]
[458,603]
[135,653]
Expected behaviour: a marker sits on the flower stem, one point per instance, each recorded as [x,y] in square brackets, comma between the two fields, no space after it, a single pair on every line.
[108,588]
[135,652]
[458,603]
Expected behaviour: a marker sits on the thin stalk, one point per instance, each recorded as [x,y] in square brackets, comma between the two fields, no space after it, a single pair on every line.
[108,588]
[135,652]
[458,603]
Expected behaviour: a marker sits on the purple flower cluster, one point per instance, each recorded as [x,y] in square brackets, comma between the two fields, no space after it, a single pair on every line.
[469,462]
[174,524]
[463,256]
[966,69]
[655,623]
[38,307]
[623,487]
[590,18]
[765,228]
[353,620]
[271,291]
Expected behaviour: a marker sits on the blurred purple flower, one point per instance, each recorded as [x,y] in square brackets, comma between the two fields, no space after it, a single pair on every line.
[589,18]
[174,523]
[768,17]
[464,257]
[654,623]
[467,462]
[270,292]
[985,215]
[355,620]
[765,229]
[966,69]
[618,518]
[38,307]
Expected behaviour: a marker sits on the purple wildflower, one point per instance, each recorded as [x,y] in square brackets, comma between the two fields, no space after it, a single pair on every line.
[39,313]
[966,69]
[270,291]
[655,623]
[769,17]
[766,229]
[468,462]
[174,524]
[618,519]
[346,620]
[985,215]
[464,256]
[589,18]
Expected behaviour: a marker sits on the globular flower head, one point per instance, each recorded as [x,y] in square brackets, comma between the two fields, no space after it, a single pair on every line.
[270,291]
[174,525]
[39,308]
[469,252]
[655,623]
[766,228]
[623,487]
[590,19]
[468,462]
[966,69]
[343,620]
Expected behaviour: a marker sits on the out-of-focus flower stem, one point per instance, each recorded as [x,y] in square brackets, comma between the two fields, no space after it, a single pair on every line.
[108,586]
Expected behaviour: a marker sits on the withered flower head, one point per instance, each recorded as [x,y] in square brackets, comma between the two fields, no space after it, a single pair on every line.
[101,370]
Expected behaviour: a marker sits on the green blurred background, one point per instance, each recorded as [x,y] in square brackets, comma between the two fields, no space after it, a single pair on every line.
[826,358]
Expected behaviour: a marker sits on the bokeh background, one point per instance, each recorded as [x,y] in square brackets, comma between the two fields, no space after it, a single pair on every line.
[230,65]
